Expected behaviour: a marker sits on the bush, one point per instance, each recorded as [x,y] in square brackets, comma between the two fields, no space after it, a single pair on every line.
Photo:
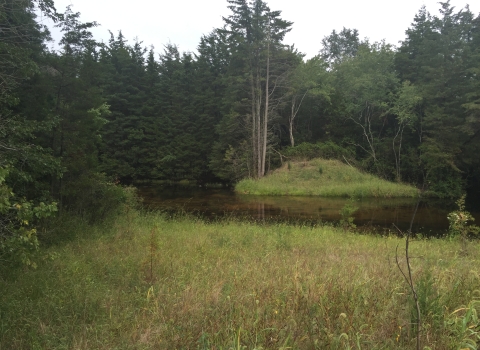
[459,223]
[326,150]
[445,183]
[18,220]
[94,197]
[350,208]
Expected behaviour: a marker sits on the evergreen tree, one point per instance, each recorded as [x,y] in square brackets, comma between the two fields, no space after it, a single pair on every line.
[77,103]
[125,92]
[437,57]
[22,159]
[259,62]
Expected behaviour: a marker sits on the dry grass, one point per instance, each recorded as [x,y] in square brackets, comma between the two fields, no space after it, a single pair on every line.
[234,285]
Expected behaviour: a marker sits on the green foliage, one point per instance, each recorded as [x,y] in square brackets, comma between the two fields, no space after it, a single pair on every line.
[464,324]
[325,150]
[459,223]
[405,108]
[447,44]
[338,47]
[306,80]
[163,113]
[405,115]
[24,162]
[346,213]
[21,40]
[18,220]
[259,65]
[365,84]
[68,115]
[429,300]
[444,181]
[406,104]
[459,219]
[94,197]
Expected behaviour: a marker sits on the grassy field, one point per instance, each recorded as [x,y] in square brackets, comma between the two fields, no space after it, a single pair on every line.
[320,177]
[145,282]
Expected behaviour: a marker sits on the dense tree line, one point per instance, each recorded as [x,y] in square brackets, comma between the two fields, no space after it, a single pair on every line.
[75,120]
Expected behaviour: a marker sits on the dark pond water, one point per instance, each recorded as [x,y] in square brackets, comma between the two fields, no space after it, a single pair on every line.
[431,218]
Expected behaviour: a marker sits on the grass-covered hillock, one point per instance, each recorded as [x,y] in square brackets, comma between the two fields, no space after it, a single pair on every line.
[321,177]
[146,282]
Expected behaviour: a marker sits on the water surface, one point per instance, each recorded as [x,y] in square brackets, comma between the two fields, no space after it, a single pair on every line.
[431,218]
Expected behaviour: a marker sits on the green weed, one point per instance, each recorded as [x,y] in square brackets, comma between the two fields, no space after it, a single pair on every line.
[320,177]
[459,223]
[346,221]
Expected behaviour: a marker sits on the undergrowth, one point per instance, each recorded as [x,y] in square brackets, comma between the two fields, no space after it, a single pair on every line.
[145,281]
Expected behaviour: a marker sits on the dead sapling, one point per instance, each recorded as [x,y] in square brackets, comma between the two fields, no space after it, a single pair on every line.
[408,276]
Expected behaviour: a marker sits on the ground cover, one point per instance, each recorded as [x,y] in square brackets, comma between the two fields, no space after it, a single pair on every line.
[321,177]
[145,281]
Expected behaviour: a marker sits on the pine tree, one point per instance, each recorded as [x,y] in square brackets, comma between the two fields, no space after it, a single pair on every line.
[259,61]
[437,58]
[124,89]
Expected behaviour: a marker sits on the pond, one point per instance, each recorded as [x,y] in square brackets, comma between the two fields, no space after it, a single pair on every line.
[379,214]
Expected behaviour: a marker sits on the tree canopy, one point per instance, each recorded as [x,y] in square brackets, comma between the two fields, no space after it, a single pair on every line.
[76,120]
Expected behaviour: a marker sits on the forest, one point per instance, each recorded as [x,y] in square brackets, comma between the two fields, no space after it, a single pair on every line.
[78,122]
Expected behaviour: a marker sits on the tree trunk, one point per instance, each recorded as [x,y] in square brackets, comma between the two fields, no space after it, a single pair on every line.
[258,136]
[254,127]
[290,123]
[265,118]
[398,154]
[293,114]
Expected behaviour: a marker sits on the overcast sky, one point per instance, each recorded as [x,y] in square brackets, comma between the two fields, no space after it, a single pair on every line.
[182,22]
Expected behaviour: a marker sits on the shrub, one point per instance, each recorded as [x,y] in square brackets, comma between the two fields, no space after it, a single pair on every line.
[94,197]
[18,219]
[458,223]
[326,150]
[346,222]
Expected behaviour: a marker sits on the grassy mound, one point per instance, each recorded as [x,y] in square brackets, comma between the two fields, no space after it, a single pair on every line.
[320,177]
[150,283]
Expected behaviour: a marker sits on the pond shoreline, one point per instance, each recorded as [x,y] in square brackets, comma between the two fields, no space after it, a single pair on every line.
[213,204]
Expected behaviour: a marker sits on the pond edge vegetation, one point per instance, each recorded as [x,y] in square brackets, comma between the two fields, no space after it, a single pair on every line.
[326,178]
[144,278]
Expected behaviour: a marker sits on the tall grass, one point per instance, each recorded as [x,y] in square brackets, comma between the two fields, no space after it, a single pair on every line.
[148,282]
[320,177]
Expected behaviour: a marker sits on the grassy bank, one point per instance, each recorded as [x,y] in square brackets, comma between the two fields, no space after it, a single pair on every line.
[145,282]
[320,177]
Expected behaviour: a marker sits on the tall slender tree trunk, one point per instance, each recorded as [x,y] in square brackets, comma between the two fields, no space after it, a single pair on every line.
[398,154]
[254,127]
[293,114]
[265,118]
[290,123]
[258,99]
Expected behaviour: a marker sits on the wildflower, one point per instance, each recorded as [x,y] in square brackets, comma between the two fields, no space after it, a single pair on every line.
[398,335]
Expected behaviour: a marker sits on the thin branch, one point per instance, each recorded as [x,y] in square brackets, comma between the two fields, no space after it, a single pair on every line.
[409,278]
[347,161]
